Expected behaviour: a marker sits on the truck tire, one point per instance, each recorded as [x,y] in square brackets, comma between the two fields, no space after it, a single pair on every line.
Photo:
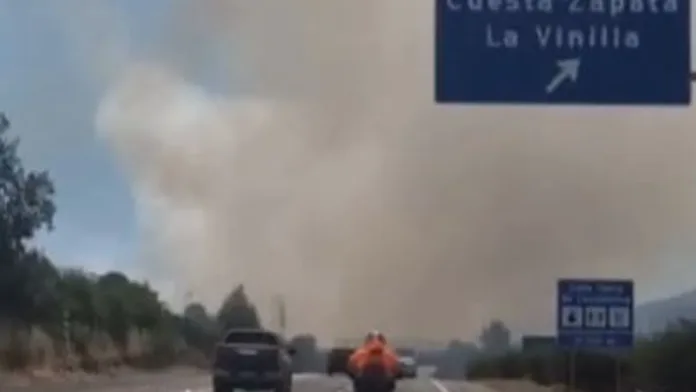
[218,388]
[284,387]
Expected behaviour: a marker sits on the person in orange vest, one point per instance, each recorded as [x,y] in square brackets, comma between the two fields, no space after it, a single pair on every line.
[374,350]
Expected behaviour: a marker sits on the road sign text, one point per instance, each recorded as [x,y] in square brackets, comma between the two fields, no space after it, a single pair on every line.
[533,51]
[595,313]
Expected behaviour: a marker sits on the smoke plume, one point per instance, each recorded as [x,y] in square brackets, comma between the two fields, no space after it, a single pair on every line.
[327,175]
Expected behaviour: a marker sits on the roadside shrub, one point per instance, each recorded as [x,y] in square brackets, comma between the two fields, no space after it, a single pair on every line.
[666,362]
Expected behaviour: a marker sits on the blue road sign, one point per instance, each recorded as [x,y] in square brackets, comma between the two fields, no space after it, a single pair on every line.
[628,52]
[595,313]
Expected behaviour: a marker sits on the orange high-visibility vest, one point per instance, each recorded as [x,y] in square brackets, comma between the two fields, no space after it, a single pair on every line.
[374,351]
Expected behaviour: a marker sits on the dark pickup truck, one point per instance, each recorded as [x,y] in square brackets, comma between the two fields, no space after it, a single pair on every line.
[252,359]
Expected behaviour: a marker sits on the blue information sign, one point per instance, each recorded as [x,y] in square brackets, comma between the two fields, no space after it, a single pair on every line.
[627,52]
[595,313]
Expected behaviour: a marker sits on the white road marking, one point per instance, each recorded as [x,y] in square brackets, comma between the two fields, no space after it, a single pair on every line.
[439,385]
[307,376]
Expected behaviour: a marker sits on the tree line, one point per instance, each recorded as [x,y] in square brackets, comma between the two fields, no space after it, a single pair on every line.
[663,362]
[71,318]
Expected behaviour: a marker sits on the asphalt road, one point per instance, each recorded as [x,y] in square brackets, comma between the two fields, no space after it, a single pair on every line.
[194,381]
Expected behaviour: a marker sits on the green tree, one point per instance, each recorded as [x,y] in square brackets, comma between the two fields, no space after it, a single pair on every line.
[237,311]
[669,359]
[26,206]
[146,310]
[197,313]
[80,299]
[495,338]
[198,329]
[37,297]
[113,290]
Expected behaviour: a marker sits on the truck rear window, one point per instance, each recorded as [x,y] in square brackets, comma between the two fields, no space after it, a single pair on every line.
[252,337]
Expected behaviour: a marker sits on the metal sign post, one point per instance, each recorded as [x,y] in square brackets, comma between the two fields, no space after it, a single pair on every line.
[562,52]
[571,380]
[67,334]
[594,314]
[282,316]
[618,374]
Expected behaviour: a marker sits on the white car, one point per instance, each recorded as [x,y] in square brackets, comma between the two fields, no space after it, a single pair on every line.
[408,367]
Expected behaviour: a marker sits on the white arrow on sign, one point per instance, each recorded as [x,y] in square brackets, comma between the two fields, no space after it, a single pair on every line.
[453,6]
[567,70]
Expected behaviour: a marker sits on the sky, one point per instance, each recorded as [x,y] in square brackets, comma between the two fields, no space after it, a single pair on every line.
[56,77]
[47,92]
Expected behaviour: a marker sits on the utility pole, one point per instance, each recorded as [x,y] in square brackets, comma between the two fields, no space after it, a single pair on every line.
[282,315]
[67,334]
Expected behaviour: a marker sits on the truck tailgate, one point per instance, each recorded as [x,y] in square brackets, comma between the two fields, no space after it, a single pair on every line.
[247,357]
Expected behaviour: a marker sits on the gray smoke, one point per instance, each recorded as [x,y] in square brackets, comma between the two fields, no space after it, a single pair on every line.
[329,176]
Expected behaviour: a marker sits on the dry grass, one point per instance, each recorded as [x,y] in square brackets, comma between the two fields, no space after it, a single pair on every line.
[33,353]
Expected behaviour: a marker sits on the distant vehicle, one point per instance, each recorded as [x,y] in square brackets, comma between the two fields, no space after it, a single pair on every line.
[409,367]
[337,362]
[252,359]
[405,352]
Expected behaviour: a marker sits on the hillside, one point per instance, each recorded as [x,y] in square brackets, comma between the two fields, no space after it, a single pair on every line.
[656,315]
